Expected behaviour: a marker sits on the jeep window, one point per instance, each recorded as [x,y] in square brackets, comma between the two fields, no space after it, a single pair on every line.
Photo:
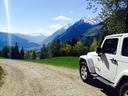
[110,46]
[125,47]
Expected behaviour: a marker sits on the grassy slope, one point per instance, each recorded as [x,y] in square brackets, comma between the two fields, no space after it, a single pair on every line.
[93,31]
[68,61]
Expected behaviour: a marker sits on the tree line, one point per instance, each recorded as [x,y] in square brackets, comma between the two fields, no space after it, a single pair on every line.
[12,52]
[72,47]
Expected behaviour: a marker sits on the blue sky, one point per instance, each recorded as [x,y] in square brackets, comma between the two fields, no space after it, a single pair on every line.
[42,16]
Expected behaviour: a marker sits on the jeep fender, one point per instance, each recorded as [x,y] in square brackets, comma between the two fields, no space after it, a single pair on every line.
[120,77]
[89,62]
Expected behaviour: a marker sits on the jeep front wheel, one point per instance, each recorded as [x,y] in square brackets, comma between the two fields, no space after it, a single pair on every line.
[84,72]
[124,90]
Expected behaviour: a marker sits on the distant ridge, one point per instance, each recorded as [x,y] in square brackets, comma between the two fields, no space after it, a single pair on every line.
[33,38]
[4,41]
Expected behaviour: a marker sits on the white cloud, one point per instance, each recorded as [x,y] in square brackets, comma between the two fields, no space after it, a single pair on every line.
[56,26]
[62,18]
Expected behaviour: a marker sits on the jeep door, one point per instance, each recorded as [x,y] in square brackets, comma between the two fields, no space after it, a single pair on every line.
[107,60]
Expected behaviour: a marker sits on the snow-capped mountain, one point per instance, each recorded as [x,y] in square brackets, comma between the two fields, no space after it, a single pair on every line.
[92,21]
[69,31]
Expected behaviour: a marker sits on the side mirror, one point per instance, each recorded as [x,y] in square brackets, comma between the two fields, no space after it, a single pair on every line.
[99,51]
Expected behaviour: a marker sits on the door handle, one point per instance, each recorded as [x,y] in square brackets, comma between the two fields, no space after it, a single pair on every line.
[114,61]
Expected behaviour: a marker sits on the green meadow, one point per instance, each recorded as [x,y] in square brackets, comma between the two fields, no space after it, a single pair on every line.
[67,61]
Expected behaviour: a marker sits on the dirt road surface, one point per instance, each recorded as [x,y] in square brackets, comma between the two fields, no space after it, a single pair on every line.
[31,79]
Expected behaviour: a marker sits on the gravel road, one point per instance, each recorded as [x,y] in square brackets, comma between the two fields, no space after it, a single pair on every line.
[32,79]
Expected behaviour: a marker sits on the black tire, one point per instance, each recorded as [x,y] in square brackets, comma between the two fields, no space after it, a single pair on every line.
[84,72]
[123,90]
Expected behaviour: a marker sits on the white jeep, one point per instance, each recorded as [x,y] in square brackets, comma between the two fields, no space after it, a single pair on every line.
[109,63]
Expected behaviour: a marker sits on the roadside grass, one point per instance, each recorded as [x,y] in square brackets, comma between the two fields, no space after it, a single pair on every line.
[67,61]
[1,72]
[2,58]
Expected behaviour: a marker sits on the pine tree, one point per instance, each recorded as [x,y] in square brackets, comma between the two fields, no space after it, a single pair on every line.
[43,52]
[16,51]
[73,41]
[54,49]
[12,53]
[22,53]
[57,47]
[5,52]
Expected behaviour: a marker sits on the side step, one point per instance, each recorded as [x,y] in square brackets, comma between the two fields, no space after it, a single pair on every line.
[94,76]
[102,80]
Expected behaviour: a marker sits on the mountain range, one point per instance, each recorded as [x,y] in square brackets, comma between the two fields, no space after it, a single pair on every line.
[83,29]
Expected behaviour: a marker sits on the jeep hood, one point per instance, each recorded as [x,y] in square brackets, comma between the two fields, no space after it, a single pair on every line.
[92,54]
[89,55]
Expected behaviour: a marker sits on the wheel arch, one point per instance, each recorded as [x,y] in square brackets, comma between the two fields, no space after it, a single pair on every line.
[89,64]
[122,81]
[82,60]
